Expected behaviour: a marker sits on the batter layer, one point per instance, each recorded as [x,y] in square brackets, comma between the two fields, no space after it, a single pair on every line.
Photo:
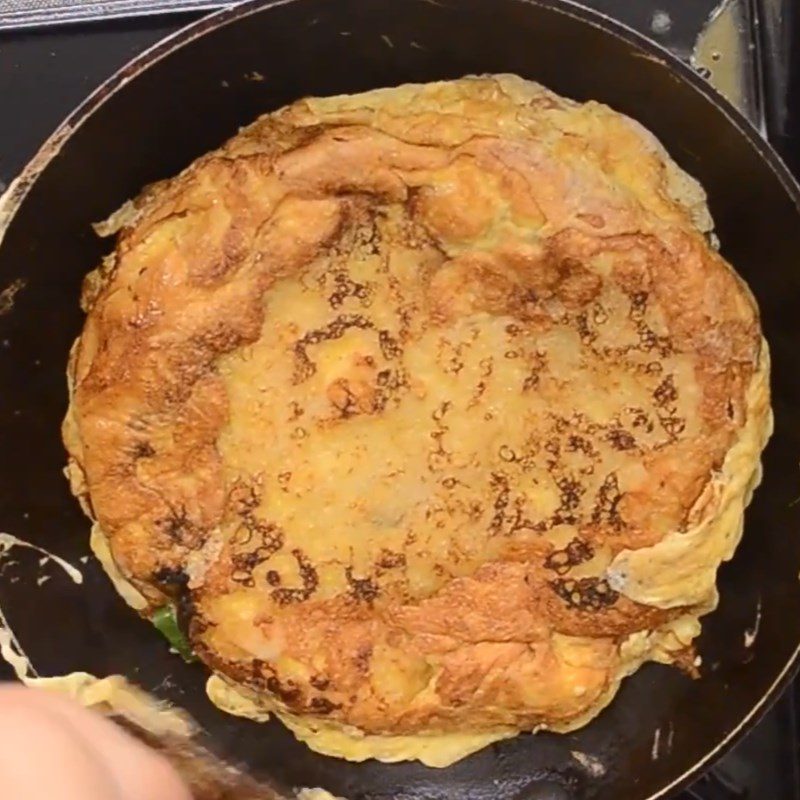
[432,411]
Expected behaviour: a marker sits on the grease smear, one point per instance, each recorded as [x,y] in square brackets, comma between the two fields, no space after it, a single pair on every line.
[11,650]
[751,634]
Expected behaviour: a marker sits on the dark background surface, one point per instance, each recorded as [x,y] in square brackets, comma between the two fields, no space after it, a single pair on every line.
[45,74]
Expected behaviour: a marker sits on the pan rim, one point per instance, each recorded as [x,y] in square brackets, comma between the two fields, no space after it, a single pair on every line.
[12,199]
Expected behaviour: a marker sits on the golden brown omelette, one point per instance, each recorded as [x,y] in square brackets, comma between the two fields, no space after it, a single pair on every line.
[432,412]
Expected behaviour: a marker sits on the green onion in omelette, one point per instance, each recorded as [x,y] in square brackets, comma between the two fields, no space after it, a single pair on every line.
[166,621]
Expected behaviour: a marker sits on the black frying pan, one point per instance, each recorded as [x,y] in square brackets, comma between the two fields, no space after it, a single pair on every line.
[185,97]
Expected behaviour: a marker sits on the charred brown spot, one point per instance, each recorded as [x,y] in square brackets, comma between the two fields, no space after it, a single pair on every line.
[362,658]
[304,366]
[579,444]
[439,456]
[585,333]
[531,381]
[180,529]
[477,393]
[190,623]
[363,589]
[368,238]
[561,426]
[552,446]
[344,287]
[642,420]
[571,491]
[321,705]
[289,693]
[171,580]
[344,399]
[273,578]
[252,544]
[254,673]
[441,410]
[308,577]
[390,560]
[320,682]
[586,594]
[142,449]
[665,394]
[268,536]
[673,425]
[647,337]
[606,507]
[649,340]
[243,565]
[390,347]
[390,382]
[621,439]
[576,552]
[518,521]
[638,305]
[599,314]
[244,497]
[499,484]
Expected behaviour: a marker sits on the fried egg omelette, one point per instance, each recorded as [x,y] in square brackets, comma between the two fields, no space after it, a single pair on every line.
[430,412]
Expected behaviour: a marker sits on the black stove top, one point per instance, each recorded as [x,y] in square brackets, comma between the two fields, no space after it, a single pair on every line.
[750,53]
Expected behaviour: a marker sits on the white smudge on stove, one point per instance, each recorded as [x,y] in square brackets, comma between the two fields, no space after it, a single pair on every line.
[661,23]
[751,633]
[591,764]
[11,651]
[655,749]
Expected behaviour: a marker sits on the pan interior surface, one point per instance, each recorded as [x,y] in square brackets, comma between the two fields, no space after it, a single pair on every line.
[254,60]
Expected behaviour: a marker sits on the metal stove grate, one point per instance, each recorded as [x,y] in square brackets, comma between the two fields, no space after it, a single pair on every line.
[29,13]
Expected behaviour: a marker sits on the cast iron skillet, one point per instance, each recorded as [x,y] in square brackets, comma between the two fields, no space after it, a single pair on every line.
[187,95]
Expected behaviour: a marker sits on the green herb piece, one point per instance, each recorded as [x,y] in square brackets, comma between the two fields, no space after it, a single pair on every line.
[165,620]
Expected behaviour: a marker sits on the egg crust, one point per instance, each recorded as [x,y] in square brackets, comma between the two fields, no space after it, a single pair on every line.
[432,409]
